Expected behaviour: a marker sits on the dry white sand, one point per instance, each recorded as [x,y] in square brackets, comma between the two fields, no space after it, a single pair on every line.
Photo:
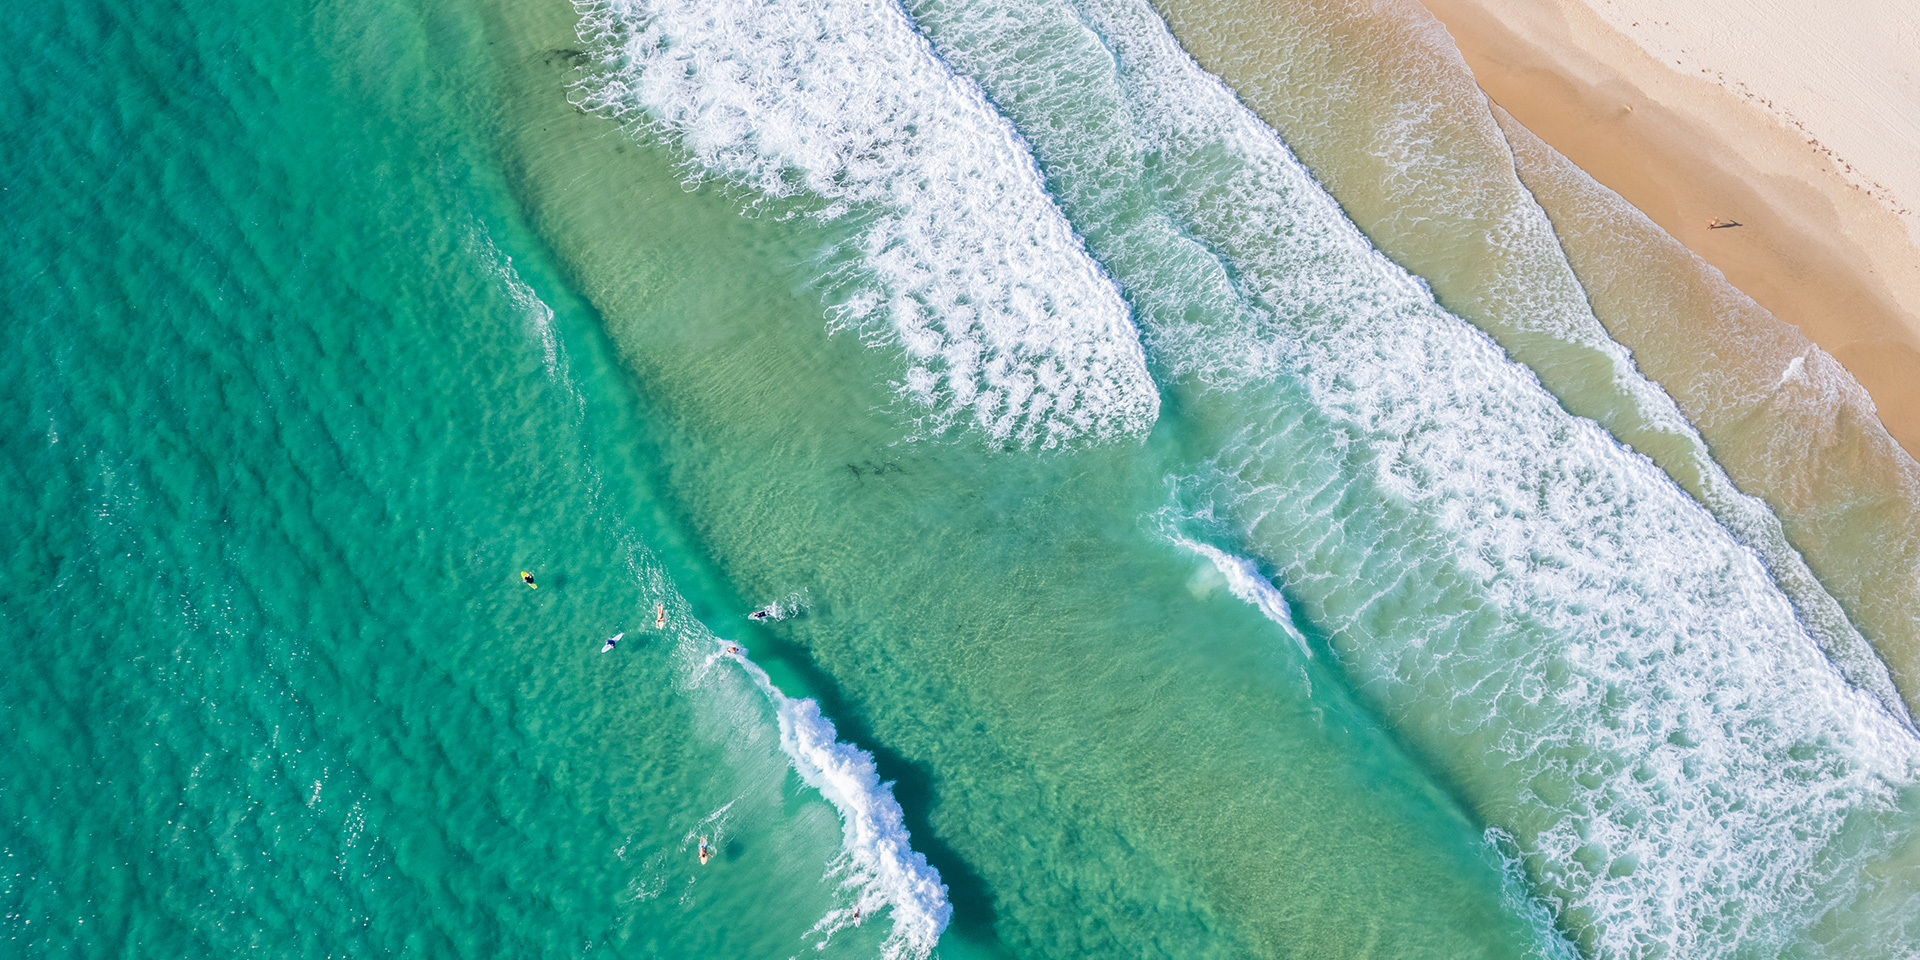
[1846,73]
[1800,121]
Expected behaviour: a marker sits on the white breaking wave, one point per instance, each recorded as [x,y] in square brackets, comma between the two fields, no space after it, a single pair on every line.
[1611,677]
[881,866]
[1251,586]
[1793,370]
[1080,136]
[1005,321]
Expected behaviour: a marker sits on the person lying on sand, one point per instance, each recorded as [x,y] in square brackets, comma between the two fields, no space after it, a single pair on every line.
[1718,224]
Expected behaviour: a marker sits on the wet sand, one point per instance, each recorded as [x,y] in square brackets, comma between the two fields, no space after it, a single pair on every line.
[1787,422]
[1820,246]
[1376,98]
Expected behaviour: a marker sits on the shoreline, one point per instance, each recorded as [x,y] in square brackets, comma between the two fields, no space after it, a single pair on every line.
[1814,248]
[1801,406]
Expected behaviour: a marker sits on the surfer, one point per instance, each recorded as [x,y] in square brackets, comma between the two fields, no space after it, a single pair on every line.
[659,615]
[856,914]
[527,578]
[733,650]
[761,615]
[706,852]
[611,641]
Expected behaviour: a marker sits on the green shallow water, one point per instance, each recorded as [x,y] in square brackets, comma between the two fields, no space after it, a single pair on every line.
[279,440]
[282,432]
[330,319]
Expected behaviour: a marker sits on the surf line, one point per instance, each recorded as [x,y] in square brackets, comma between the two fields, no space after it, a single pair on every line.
[883,867]
[1044,351]
[1250,585]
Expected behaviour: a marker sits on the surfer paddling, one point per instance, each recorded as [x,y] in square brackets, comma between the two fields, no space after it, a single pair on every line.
[778,610]
[659,615]
[706,852]
[527,578]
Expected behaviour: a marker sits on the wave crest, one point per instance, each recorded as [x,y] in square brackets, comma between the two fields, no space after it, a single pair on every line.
[963,261]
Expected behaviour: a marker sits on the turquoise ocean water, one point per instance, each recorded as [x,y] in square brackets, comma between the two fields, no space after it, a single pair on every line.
[1156,570]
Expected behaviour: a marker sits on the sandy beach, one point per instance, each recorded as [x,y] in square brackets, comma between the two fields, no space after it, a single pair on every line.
[1379,100]
[1800,129]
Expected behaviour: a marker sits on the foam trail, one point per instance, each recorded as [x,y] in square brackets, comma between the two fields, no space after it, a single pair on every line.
[794,604]
[1606,673]
[534,312]
[1251,586]
[1794,367]
[879,856]
[964,262]
[883,867]
[1442,158]
[1642,706]
[1807,438]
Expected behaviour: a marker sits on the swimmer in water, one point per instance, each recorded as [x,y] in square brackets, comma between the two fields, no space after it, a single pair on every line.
[527,578]
[706,852]
[659,615]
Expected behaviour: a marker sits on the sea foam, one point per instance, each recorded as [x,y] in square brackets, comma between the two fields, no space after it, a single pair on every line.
[535,315]
[963,261]
[1605,672]
[1678,761]
[878,862]
[1244,578]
